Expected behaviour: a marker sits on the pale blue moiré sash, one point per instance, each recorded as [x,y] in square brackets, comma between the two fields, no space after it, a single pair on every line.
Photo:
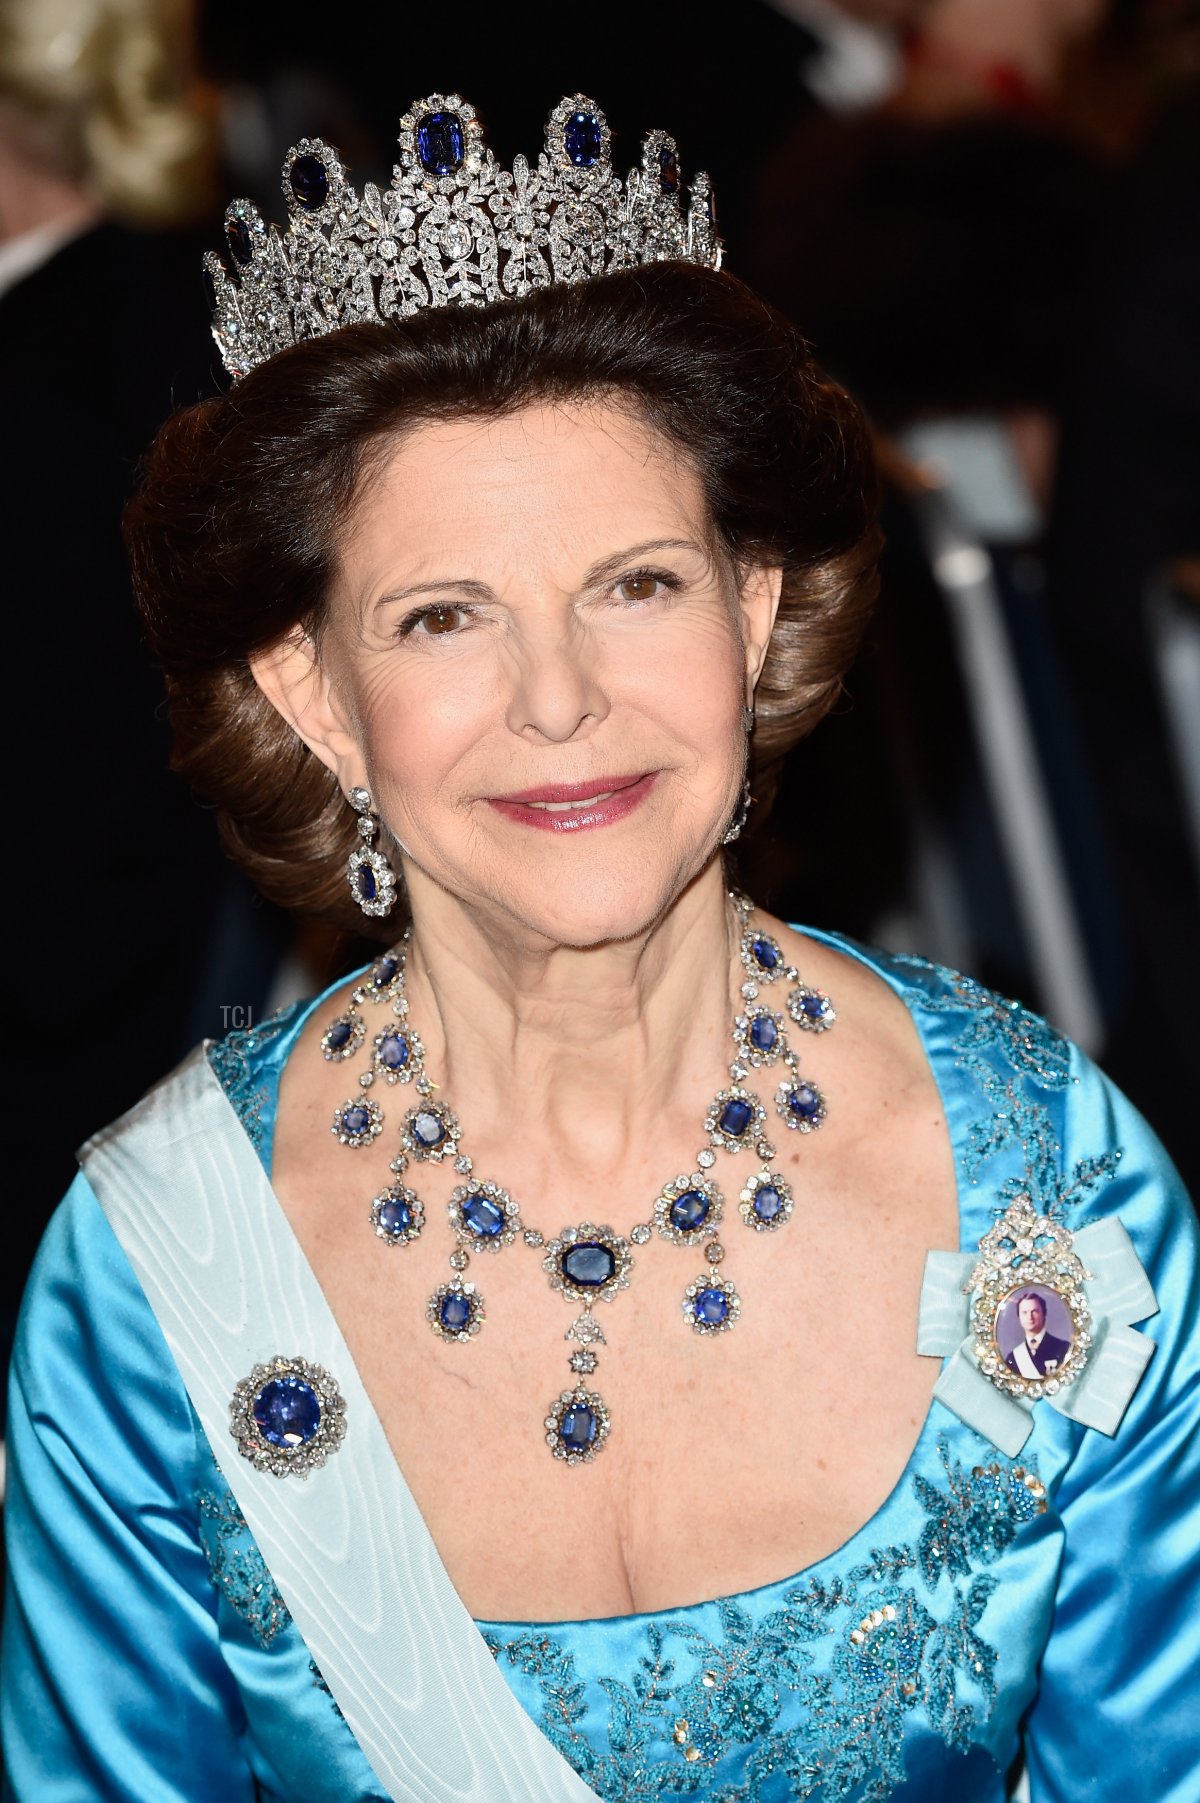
[192,1207]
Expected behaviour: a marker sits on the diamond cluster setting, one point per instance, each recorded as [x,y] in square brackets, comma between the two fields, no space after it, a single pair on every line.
[287,1417]
[453,228]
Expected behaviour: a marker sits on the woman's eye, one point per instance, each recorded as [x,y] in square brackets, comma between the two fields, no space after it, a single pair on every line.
[640,588]
[434,621]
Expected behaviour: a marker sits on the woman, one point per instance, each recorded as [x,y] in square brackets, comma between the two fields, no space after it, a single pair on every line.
[493,606]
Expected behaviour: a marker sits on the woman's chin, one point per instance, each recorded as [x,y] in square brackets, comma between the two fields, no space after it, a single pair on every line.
[595,907]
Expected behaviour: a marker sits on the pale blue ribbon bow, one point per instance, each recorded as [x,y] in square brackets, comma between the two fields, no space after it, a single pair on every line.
[1119,1293]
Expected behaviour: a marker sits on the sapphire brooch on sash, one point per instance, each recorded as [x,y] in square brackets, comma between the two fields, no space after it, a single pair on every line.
[287,1417]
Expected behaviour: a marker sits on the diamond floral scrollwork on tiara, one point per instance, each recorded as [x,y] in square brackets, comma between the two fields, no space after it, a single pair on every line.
[454,228]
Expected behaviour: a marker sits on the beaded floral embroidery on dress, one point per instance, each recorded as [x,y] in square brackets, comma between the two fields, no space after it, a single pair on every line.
[235,1061]
[237,1567]
[1017,1121]
[859,1654]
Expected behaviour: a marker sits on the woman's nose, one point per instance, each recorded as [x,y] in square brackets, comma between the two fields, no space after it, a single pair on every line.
[557,689]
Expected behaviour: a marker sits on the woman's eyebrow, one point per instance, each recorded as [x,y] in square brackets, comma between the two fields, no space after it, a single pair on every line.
[462,585]
[598,572]
[609,566]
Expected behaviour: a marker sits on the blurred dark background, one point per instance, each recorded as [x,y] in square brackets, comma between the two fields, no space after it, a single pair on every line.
[984,214]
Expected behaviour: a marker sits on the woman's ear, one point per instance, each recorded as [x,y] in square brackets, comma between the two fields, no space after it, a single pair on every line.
[298,686]
[760,591]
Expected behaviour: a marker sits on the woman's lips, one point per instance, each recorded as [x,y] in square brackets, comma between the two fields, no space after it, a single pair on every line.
[571,807]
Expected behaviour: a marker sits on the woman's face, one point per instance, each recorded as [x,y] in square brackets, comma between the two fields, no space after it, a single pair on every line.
[536,661]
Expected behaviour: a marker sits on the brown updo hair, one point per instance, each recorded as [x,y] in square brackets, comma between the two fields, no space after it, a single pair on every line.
[233,536]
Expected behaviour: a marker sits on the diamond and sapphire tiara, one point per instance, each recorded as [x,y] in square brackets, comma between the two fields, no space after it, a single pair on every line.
[453,228]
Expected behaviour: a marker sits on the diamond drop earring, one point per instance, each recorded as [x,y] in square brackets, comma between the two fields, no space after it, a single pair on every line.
[372,879]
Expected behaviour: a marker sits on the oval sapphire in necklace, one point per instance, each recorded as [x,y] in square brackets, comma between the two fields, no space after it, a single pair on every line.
[455,1311]
[484,1216]
[801,1105]
[429,1132]
[397,1215]
[811,1009]
[587,1262]
[358,1122]
[766,1202]
[577,1425]
[688,1209]
[342,1038]
[390,1054]
[589,1265]
[711,1304]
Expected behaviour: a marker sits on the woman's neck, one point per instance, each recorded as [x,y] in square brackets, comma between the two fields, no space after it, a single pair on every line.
[585,1046]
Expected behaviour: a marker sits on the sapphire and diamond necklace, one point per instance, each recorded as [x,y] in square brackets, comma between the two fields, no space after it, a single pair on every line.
[588,1263]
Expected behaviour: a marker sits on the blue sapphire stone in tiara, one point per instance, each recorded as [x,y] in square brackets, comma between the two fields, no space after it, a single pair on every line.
[589,1264]
[287,1411]
[735,1117]
[668,171]
[483,1216]
[689,1211]
[392,1052]
[440,143]
[578,1427]
[583,140]
[768,1204]
[710,1307]
[241,245]
[308,179]
[763,1034]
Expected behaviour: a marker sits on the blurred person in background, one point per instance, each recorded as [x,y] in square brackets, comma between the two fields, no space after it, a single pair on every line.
[106,154]
[1123,590]
[952,253]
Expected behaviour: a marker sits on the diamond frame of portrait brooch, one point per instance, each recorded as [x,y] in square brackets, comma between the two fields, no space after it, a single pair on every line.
[1096,1275]
[1028,1251]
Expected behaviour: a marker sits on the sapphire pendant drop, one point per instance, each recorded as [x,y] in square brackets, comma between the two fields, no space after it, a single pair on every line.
[711,1304]
[801,1105]
[577,1425]
[455,1311]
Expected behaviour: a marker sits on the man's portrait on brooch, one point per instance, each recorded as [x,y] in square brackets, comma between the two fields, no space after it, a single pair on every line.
[1034,1331]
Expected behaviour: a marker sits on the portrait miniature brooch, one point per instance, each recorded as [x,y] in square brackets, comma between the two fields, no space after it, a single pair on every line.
[1039,1313]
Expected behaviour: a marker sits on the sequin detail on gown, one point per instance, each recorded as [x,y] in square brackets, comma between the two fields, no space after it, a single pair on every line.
[851,1658]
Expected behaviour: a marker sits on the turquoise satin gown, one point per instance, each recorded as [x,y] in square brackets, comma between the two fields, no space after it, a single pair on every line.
[1050,1601]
